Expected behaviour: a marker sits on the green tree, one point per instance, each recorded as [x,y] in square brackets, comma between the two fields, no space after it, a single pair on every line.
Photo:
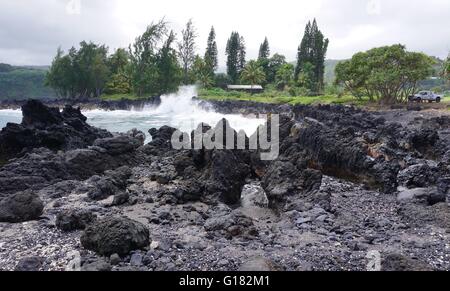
[312,50]
[144,59]
[306,77]
[118,61]
[61,75]
[263,58]
[169,70]
[285,76]
[264,50]
[234,54]
[274,64]
[80,73]
[90,65]
[149,67]
[202,72]
[388,74]
[253,74]
[186,50]
[211,54]
[242,55]
[118,84]
[119,66]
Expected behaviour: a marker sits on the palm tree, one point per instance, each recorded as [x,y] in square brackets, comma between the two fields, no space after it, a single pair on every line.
[253,73]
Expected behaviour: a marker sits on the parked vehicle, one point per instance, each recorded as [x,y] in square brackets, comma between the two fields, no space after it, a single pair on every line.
[429,96]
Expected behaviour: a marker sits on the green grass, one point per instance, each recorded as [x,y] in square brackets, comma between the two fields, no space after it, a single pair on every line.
[118,97]
[279,98]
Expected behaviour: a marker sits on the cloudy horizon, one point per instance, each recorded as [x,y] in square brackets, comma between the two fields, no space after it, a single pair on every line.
[31,31]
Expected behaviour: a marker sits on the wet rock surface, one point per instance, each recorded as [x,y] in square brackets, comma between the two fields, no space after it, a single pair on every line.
[347,183]
[47,127]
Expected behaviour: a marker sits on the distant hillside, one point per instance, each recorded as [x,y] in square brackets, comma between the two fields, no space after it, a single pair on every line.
[330,65]
[23,82]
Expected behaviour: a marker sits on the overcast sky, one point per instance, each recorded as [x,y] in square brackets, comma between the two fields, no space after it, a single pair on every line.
[31,30]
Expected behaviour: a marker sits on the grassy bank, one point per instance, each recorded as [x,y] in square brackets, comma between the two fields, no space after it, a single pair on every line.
[279,98]
[118,97]
[273,97]
[276,97]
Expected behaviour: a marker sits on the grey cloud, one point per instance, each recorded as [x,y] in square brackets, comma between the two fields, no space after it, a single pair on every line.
[31,30]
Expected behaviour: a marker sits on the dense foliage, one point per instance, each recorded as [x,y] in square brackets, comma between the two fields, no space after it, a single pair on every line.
[154,66]
[388,74]
[236,53]
[80,73]
[151,66]
[311,59]
[253,74]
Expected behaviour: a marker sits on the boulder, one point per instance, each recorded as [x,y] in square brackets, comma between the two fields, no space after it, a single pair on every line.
[284,179]
[120,176]
[74,219]
[120,144]
[231,224]
[418,176]
[401,263]
[100,188]
[29,264]
[20,207]
[225,176]
[121,198]
[115,235]
[253,195]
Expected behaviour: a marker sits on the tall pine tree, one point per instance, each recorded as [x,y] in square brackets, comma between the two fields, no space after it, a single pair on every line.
[311,57]
[211,55]
[235,52]
[264,50]
[186,50]
[242,55]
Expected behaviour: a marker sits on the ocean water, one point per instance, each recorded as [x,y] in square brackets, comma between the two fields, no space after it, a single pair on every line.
[177,110]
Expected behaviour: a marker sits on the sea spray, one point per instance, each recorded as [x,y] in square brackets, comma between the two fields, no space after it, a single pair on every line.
[178,110]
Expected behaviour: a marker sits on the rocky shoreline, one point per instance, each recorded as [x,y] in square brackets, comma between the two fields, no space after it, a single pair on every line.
[349,185]
[88,104]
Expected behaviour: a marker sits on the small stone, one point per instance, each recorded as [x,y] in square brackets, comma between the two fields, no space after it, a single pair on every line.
[154,245]
[136,260]
[114,259]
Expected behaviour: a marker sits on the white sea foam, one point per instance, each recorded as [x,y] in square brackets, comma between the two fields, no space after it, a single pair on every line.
[177,110]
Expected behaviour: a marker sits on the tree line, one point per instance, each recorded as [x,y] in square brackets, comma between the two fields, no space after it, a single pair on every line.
[157,63]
